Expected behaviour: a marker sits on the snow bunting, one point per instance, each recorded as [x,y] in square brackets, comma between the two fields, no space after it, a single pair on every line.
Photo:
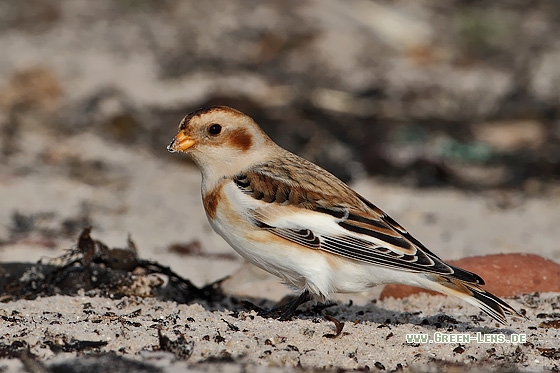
[299,222]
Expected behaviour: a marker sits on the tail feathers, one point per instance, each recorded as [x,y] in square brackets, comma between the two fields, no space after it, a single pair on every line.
[466,276]
[475,295]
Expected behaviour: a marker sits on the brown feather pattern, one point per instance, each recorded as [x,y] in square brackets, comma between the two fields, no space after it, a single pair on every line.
[291,180]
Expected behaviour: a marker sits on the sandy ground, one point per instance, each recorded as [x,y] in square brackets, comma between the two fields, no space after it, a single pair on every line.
[374,335]
[53,184]
[157,201]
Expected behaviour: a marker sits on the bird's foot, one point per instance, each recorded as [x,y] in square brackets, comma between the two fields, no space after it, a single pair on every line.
[283,312]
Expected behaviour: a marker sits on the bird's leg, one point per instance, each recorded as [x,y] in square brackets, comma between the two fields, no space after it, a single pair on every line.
[289,309]
[283,312]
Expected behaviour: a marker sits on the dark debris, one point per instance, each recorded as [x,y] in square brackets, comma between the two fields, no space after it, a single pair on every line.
[338,327]
[100,363]
[231,326]
[551,353]
[93,267]
[73,345]
[181,347]
[550,324]
[13,350]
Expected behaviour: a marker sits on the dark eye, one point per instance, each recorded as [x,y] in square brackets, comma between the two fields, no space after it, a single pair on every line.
[215,129]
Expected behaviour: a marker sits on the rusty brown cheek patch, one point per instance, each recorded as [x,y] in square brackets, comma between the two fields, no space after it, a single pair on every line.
[240,139]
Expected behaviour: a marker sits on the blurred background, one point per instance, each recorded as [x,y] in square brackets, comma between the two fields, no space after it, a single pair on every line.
[417,94]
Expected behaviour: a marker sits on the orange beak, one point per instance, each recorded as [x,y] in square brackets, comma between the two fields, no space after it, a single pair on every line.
[180,143]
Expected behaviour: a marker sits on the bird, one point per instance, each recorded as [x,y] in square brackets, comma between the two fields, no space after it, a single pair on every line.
[302,224]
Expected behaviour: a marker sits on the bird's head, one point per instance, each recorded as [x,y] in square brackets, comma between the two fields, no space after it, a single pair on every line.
[221,140]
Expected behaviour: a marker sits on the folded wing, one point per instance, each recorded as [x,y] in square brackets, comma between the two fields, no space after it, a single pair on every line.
[337,220]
